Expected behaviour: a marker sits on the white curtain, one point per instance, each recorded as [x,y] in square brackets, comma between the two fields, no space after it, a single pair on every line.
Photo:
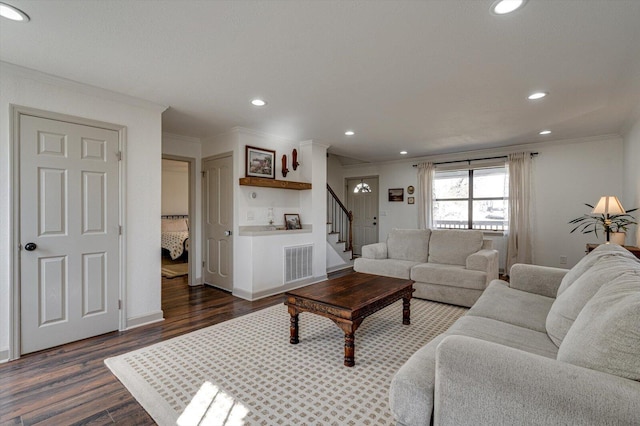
[426,172]
[519,242]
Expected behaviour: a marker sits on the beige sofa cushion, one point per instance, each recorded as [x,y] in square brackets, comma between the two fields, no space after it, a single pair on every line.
[451,275]
[588,261]
[386,267]
[568,304]
[520,308]
[606,334]
[452,247]
[408,244]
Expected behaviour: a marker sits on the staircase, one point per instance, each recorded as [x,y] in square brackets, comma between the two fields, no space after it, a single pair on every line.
[339,234]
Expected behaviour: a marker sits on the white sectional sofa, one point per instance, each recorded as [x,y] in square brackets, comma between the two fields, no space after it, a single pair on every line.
[450,266]
[550,347]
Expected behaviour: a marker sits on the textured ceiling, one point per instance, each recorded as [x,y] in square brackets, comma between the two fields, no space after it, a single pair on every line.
[425,76]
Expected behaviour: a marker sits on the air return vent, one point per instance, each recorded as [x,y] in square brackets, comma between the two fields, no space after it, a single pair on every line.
[298,263]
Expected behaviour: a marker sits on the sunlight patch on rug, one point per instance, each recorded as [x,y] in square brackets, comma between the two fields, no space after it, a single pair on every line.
[245,371]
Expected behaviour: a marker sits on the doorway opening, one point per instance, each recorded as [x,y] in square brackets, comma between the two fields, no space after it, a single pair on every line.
[362,201]
[178,221]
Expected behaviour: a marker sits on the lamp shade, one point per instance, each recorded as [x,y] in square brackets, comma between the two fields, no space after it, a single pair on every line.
[608,205]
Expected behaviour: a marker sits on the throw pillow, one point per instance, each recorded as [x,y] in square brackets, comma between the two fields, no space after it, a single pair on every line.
[174,225]
[452,247]
[606,334]
[567,306]
[408,244]
[589,260]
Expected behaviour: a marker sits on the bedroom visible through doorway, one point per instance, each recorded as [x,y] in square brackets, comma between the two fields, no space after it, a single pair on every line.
[176,220]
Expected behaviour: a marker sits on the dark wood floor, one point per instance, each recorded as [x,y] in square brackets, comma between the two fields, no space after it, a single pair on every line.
[70,385]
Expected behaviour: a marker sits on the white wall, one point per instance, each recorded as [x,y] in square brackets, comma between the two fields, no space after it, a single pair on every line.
[257,273]
[335,176]
[566,177]
[175,187]
[393,214]
[632,178]
[142,119]
[567,174]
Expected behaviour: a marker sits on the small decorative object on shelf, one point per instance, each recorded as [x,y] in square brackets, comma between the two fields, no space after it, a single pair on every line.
[292,221]
[294,159]
[284,166]
[270,217]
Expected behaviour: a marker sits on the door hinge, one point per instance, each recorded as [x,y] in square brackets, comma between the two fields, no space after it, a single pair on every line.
[119,229]
[119,155]
[203,263]
[204,174]
[119,304]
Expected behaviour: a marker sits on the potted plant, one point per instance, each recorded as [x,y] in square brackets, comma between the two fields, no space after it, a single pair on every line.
[615,224]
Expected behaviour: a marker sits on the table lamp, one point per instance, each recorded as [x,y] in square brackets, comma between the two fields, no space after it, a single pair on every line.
[608,205]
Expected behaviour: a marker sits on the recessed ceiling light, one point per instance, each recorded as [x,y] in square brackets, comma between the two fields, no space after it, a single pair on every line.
[502,7]
[537,95]
[258,102]
[13,13]
[403,152]
[545,132]
[349,133]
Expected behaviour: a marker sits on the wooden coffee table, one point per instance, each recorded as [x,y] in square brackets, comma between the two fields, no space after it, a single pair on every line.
[347,301]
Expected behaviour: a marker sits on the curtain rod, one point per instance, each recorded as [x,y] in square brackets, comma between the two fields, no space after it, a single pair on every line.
[533,154]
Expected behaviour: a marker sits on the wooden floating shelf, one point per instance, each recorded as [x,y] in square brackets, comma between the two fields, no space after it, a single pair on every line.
[274,183]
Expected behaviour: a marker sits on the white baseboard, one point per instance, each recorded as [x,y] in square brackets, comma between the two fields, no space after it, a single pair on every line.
[4,356]
[144,320]
[243,294]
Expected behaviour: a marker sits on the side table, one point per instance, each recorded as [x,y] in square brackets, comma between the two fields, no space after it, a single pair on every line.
[632,249]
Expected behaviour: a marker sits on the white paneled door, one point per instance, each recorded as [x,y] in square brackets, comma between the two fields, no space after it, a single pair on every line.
[218,222]
[362,201]
[69,232]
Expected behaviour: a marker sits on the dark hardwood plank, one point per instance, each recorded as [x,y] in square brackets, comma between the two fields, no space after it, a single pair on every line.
[70,384]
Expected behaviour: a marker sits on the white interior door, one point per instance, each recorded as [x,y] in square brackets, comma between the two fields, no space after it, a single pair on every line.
[69,232]
[364,205]
[218,222]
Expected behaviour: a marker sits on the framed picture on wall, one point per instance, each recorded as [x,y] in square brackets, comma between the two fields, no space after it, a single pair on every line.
[260,162]
[292,221]
[396,194]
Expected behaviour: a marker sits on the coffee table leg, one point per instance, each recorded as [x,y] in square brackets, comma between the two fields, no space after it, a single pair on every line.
[349,349]
[293,326]
[406,310]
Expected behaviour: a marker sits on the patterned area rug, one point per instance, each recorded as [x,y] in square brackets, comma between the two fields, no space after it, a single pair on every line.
[245,371]
[175,270]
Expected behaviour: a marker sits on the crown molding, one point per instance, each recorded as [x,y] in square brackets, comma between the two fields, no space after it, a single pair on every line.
[28,73]
[505,150]
[181,138]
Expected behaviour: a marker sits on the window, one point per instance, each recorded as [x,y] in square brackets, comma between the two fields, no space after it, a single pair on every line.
[471,199]
[362,187]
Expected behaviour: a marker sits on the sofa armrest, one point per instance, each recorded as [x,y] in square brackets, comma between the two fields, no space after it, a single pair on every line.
[479,382]
[483,260]
[375,251]
[542,280]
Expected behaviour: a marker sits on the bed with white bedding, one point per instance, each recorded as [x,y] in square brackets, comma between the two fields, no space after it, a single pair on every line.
[175,235]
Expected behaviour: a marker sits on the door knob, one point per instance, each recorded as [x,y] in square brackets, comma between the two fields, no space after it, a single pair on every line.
[227,233]
[30,246]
